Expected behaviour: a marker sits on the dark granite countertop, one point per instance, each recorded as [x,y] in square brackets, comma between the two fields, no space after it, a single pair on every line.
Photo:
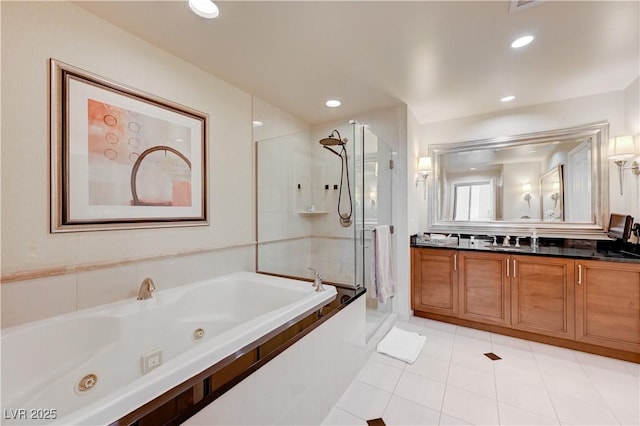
[595,252]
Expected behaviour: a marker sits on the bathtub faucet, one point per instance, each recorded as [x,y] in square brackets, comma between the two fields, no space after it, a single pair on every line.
[146,289]
[317,282]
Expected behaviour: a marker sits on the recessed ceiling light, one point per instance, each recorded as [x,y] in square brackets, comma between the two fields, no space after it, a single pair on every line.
[507,98]
[258,124]
[333,103]
[522,41]
[205,8]
[472,168]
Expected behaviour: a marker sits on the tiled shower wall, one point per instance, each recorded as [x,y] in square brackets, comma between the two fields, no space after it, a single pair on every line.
[298,225]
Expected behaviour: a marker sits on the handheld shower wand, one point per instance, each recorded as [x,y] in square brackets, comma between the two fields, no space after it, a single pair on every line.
[334,139]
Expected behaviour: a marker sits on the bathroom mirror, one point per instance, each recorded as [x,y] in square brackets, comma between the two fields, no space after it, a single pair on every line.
[553,181]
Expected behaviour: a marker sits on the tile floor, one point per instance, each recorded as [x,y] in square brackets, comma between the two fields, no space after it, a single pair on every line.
[453,383]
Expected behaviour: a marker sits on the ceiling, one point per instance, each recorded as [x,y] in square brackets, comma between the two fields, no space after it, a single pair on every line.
[444,59]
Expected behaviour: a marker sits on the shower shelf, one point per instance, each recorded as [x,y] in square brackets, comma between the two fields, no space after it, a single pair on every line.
[313,213]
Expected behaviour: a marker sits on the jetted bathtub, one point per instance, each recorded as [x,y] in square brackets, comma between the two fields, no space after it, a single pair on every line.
[88,367]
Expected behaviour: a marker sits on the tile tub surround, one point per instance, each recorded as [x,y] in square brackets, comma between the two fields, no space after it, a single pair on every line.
[110,341]
[453,383]
[52,292]
[300,385]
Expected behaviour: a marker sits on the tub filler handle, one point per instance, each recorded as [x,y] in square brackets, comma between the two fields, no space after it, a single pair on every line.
[146,289]
[317,282]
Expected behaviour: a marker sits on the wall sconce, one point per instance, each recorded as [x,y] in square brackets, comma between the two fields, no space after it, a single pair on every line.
[621,149]
[556,194]
[373,196]
[526,188]
[424,168]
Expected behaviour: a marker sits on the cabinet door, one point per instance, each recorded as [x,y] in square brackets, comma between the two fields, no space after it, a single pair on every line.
[608,304]
[542,299]
[434,281]
[484,287]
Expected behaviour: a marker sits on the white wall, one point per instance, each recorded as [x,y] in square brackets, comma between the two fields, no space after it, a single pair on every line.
[108,265]
[536,118]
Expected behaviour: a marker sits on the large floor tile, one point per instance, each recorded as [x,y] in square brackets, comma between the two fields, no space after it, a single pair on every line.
[475,359]
[339,417]
[447,420]
[379,375]
[470,407]
[519,372]
[420,390]
[387,360]
[430,367]
[578,412]
[530,398]
[479,382]
[514,342]
[468,343]
[438,347]
[364,401]
[401,411]
[515,416]
[576,386]
[474,333]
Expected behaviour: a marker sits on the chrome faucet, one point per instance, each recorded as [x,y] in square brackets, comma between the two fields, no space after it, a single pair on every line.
[146,289]
[317,282]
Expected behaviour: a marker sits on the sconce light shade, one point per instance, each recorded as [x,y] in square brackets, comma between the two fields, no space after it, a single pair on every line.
[621,148]
[424,168]
[526,188]
[424,165]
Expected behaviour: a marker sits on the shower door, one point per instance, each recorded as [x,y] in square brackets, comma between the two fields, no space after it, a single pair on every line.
[373,196]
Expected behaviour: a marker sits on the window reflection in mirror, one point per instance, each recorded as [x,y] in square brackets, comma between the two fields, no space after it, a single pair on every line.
[473,201]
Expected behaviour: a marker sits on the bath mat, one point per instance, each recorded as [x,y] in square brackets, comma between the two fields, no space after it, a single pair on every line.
[402,345]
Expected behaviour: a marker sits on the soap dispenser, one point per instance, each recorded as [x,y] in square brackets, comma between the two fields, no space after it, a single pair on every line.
[534,240]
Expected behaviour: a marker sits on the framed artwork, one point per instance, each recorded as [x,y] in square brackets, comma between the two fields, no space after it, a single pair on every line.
[122,158]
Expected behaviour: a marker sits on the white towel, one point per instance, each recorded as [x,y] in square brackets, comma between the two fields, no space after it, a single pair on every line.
[402,345]
[383,283]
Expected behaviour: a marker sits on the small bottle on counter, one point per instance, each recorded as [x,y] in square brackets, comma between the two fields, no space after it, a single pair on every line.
[472,242]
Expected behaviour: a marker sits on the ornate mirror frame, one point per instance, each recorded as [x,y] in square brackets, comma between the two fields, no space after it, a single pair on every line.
[596,228]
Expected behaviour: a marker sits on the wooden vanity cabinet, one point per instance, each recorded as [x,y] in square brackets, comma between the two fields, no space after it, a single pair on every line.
[591,305]
[542,295]
[434,274]
[608,304]
[484,290]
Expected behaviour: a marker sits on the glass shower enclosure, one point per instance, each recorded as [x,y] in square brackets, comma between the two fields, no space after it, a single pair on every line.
[301,190]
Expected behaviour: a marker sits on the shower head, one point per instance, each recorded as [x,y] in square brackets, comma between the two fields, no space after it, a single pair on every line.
[333,139]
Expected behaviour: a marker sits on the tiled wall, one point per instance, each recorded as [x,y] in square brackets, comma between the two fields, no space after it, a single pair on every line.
[300,385]
[34,299]
[292,238]
[48,274]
